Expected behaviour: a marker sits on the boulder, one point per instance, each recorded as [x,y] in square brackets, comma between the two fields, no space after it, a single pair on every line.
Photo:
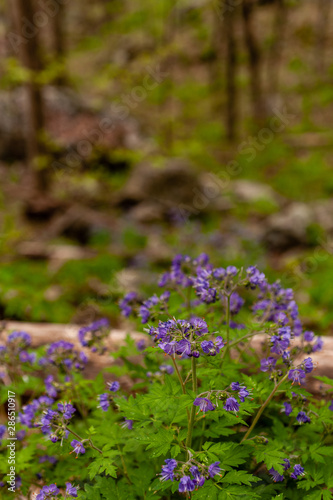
[288,228]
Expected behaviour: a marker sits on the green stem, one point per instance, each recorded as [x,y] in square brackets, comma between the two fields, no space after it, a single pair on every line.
[262,408]
[181,383]
[81,439]
[124,465]
[192,416]
[226,352]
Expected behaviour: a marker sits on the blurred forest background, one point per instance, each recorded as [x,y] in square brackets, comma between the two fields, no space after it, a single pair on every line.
[134,130]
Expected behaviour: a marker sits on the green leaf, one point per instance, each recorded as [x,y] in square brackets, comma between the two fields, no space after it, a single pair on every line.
[239,477]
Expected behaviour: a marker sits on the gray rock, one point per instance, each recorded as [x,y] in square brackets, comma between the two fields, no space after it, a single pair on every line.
[251,192]
[289,227]
[166,187]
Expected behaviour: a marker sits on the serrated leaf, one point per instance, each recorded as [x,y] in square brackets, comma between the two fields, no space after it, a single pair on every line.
[239,477]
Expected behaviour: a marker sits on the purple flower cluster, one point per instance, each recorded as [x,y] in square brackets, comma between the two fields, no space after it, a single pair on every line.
[51,491]
[230,402]
[126,304]
[30,412]
[185,338]
[106,398]
[148,308]
[63,355]
[93,335]
[190,476]
[48,492]
[297,471]
[15,350]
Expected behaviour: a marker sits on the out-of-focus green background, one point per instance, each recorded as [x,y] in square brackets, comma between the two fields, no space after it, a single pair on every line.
[131,131]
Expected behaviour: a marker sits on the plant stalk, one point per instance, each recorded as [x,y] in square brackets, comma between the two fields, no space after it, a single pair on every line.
[263,406]
[192,415]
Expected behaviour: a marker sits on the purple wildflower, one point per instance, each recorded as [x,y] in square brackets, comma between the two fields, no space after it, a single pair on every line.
[267,364]
[296,375]
[167,470]
[186,484]
[302,418]
[243,393]
[167,369]
[183,347]
[219,343]
[104,401]
[231,404]
[141,345]
[331,406]
[287,408]
[126,304]
[48,492]
[318,345]
[208,347]
[78,447]
[67,409]
[197,477]
[276,476]
[308,365]
[71,490]
[204,404]
[298,471]
[308,336]
[114,386]
[214,469]
[256,278]
[127,424]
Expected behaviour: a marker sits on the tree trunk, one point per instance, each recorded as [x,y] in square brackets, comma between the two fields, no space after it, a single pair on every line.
[231,67]
[275,53]
[29,51]
[58,35]
[255,62]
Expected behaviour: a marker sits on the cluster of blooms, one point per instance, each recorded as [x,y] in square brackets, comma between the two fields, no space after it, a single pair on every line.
[230,402]
[106,398]
[150,308]
[52,422]
[162,369]
[15,349]
[191,475]
[52,491]
[211,285]
[55,423]
[185,338]
[63,355]
[297,471]
[93,335]
[302,417]
[30,412]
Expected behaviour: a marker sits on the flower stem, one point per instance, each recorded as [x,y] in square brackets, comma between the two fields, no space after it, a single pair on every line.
[124,465]
[192,416]
[181,383]
[81,439]
[263,406]
[226,352]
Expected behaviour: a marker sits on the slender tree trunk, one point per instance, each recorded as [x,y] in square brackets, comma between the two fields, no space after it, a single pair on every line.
[255,61]
[29,51]
[324,8]
[275,53]
[59,45]
[231,68]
